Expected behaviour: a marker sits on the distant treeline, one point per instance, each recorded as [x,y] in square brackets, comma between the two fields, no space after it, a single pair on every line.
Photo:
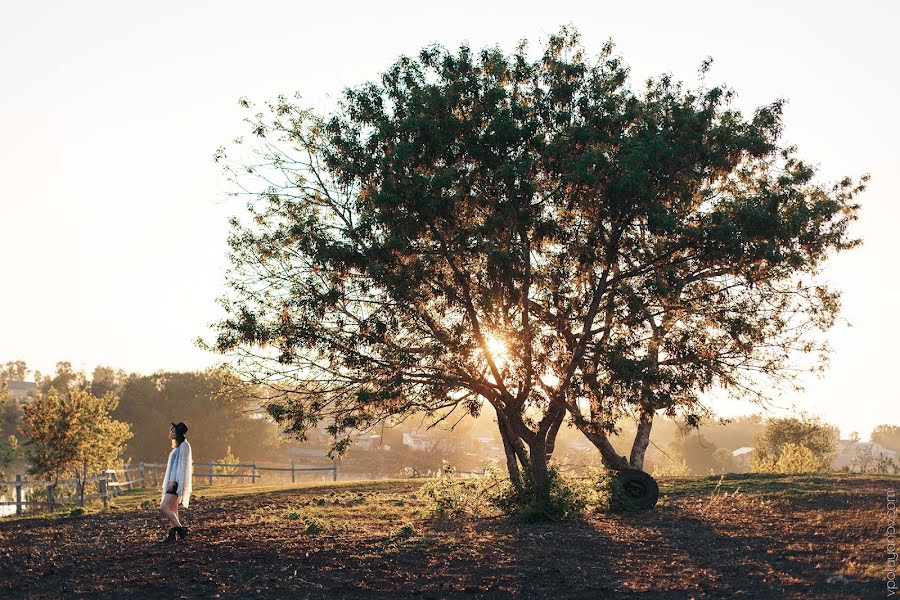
[217,409]
[220,414]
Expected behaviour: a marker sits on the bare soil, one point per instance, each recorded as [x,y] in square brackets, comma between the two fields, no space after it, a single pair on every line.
[752,537]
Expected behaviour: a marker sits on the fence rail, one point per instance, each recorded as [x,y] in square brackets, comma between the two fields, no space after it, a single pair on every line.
[111,485]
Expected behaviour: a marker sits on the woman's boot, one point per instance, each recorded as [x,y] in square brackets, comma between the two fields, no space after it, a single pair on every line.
[171,538]
[182,532]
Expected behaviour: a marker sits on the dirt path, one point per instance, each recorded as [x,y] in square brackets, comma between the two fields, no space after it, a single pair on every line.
[375,541]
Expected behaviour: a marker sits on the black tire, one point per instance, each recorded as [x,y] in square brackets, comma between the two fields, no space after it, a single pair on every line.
[637,490]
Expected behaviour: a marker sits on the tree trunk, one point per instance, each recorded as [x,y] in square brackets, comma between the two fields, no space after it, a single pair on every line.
[554,430]
[610,457]
[641,439]
[540,475]
[509,449]
[83,477]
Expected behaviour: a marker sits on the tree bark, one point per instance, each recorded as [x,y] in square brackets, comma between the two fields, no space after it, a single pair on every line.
[610,457]
[540,475]
[554,430]
[512,465]
[641,439]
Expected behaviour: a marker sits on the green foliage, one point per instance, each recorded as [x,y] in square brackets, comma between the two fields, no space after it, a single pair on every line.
[888,436]
[723,460]
[452,497]
[14,370]
[10,412]
[564,499]
[314,526]
[671,467]
[538,200]
[214,406]
[795,445]
[229,459]
[793,458]
[293,514]
[72,431]
[885,464]
[9,451]
[406,531]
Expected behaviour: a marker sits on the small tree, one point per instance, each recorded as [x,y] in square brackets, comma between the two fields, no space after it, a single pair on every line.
[865,456]
[724,461]
[228,472]
[885,464]
[794,458]
[794,445]
[73,431]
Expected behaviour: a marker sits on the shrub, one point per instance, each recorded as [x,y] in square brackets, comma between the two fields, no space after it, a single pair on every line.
[314,525]
[568,498]
[406,531]
[456,497]
[447,496]
[794,458]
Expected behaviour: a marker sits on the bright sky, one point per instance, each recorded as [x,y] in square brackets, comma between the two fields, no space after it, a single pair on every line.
[113,214]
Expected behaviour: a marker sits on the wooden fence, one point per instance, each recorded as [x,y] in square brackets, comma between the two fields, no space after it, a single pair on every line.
[110,485]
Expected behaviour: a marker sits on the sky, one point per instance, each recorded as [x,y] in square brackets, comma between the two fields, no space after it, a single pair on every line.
[113,215]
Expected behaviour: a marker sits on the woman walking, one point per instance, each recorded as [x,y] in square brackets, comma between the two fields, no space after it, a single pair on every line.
[177,482]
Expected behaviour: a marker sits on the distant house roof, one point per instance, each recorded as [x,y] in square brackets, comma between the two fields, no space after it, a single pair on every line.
[847,454]
[877,449]
[20,389]
[742,451]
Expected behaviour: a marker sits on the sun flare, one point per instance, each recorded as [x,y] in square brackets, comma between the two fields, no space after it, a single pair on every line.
[497,349]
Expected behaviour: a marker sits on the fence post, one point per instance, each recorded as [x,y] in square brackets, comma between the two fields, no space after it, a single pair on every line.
[18,494]
[111,475]
[210,472]
[103,489]
[50,497]
[293,477]
[141,470]
[334,469]
[253,476]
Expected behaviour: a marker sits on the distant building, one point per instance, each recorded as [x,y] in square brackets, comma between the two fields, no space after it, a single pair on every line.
[419,441]
[742,457]
[849,452]
[489,445]
[371,442]
[20,389]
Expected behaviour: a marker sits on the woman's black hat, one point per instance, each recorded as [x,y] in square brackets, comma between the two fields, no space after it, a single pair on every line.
[180,428]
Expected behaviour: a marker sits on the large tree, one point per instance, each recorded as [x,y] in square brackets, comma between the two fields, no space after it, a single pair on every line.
[471,228]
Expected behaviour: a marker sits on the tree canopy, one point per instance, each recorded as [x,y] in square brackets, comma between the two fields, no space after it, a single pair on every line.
[72,431]
[529,232]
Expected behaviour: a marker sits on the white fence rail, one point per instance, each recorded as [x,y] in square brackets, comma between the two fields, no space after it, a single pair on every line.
[110,484]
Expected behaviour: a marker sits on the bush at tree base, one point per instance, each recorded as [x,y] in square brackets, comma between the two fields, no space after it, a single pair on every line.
[570,497]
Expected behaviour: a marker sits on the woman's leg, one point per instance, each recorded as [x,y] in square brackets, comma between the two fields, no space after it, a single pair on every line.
[169,508]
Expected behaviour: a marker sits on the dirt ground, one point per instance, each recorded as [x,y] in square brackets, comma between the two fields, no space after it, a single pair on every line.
[787,537]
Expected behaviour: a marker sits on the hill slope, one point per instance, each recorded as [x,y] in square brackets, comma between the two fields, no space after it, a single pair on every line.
[821,536]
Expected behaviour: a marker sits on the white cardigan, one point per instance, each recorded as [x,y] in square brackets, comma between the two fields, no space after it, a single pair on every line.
[180,468]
